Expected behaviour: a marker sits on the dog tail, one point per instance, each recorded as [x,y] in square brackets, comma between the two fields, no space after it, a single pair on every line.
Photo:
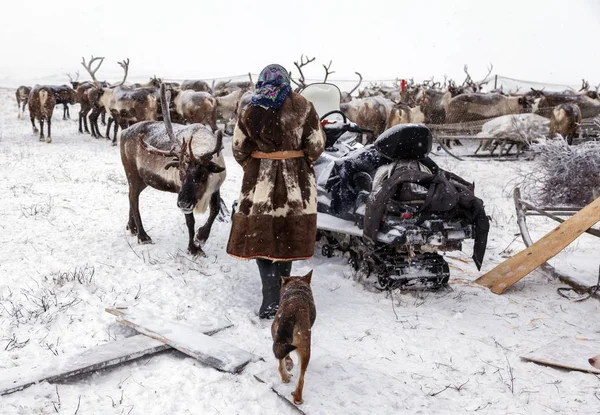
[282,344]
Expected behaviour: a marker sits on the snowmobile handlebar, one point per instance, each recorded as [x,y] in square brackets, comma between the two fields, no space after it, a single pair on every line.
[348,125]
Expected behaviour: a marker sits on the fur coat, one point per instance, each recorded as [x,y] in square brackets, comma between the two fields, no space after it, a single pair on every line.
[276,216]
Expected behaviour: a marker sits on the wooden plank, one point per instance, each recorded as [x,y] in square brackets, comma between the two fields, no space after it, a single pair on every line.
[210,351]
[517,267]
[95,358]
[567,353]
[357,390]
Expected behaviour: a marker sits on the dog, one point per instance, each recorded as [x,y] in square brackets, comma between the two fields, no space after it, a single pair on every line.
[595,361]
[291,329]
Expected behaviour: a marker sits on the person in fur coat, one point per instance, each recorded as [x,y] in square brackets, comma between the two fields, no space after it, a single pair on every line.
[276,140]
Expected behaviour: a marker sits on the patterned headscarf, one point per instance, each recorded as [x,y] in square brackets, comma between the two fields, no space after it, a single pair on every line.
[272,88]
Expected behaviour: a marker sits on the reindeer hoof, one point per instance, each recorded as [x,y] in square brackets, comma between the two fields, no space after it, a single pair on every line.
[297,400]
[286,379]
[196,251]
[48,140]
[143,240]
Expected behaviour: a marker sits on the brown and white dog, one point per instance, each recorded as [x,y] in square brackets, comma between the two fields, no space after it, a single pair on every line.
[291,329]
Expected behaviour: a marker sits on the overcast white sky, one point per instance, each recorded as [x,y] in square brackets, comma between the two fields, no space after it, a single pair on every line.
[545,40]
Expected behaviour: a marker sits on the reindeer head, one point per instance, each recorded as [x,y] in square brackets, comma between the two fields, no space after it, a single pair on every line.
[526,102]
[194,172]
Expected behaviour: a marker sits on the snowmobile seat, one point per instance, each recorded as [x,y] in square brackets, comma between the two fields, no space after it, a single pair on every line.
[405,142]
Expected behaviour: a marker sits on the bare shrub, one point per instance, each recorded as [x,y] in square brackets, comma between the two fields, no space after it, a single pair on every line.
[567,174]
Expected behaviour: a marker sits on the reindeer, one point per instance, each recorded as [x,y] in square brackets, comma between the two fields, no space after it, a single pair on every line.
[154,82]
[157,154]
[22,96]
[589,107]
[41,106]
[403,114]
[370,113]
[347,96]
[474,107]
[431,102]
[66,96]
[195,85]
[565,120]
[196,107]
[227,105]
[222,89]
[125,104]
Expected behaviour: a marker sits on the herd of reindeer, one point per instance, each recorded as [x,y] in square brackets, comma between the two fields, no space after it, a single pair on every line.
[375,107]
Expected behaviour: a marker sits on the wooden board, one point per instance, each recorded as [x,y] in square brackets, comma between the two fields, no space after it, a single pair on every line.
[567,353]
[210,351]
[515,268]
[336,386]
[95,358]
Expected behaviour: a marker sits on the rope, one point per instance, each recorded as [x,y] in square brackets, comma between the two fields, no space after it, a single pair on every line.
[590,291]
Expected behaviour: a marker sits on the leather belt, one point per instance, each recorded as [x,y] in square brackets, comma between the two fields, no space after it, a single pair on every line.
[278,155]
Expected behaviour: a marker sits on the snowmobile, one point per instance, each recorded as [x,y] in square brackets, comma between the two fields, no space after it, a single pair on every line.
[387,206]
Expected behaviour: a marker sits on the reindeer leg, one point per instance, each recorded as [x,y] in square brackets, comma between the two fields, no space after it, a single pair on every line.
[85,122]
[191,222]
[35,130]
[304,356]
[204,231]
[41,128]
[65,109]
[68,113]
[134,210]
[110,121]
[103,119]
[49,138]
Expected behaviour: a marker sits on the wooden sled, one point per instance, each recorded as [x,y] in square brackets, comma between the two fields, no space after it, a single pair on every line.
[515,268]
[524,209]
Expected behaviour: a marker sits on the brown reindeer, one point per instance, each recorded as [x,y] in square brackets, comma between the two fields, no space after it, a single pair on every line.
[196,107]
[126,105]
[22,96]
[157,154]
[565,121]
[589,107]
[41,106]
[66,96]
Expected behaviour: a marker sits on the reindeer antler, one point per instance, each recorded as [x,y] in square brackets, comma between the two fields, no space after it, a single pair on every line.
[327,72]
[585,85]
[125,65]
[71,78]
[88,67]
[360,78]
[217,149]
[300,65]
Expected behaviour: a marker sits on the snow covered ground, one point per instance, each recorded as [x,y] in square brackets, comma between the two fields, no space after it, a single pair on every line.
[65,255]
